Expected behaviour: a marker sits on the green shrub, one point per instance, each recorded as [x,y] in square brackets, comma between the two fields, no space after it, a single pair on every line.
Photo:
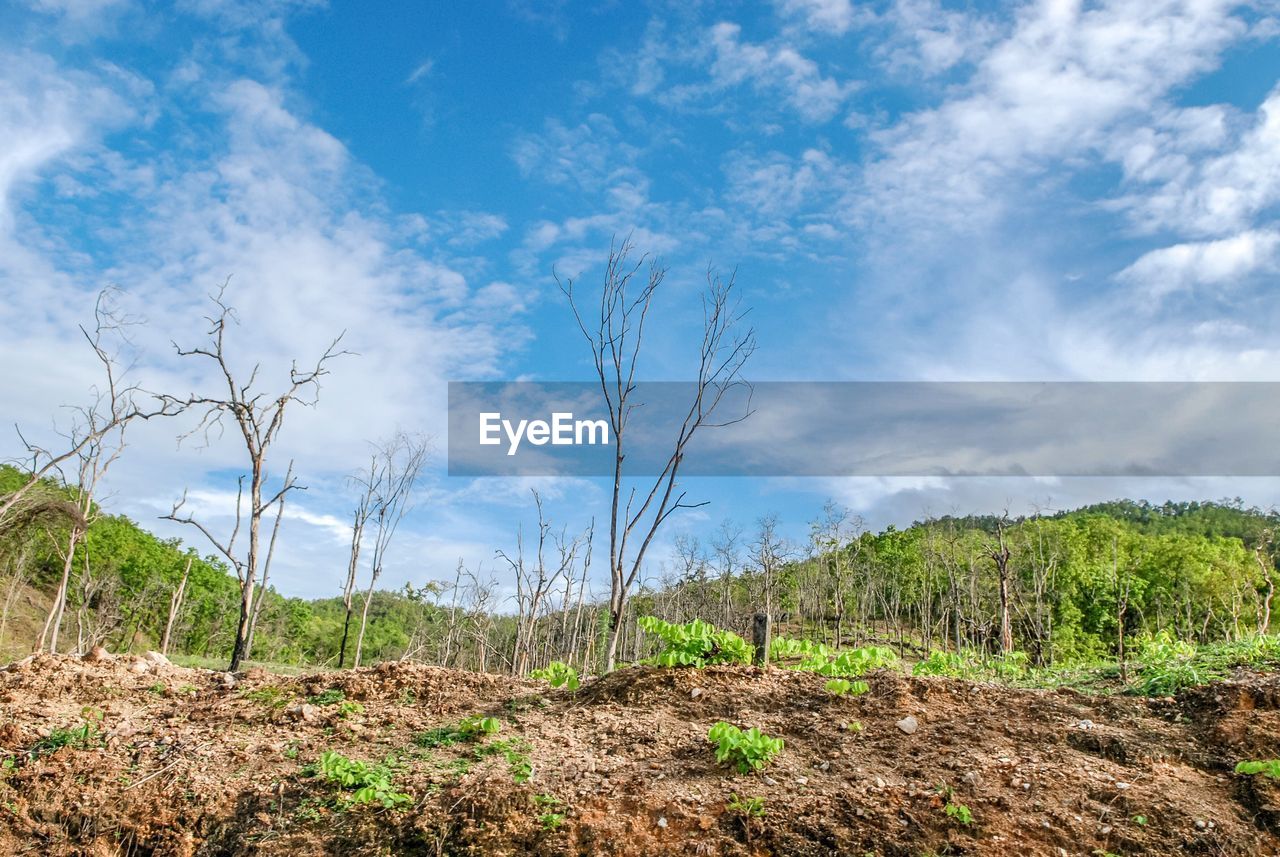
[467,729]
[747,807]
[844,687]
[696,644]
[332,696]
[1168,666]
[360,782]
[1266,767]
[559,674]
[748,751]
[958,812]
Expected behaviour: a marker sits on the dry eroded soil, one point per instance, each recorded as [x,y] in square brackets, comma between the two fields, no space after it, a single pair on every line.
[196,762]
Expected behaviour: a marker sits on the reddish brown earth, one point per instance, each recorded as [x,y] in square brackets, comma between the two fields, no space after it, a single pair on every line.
[190,763]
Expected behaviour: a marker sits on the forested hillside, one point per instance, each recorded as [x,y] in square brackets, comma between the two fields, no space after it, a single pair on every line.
[1202,572]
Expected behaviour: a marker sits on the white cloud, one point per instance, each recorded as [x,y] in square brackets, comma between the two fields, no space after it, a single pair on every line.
[779,70]
[1184,266]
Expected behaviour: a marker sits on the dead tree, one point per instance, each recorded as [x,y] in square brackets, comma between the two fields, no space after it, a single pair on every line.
[175,604]
[615,334]
[399,461]
[535,581]
[1000,555]
[258,418]
[97,439]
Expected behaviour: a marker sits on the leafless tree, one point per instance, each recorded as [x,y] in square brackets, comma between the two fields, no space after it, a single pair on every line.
[175,604]
[1000,555]
[259,419]
[535,581]
[96,441]
[615,334]
[398,462]
[116,404]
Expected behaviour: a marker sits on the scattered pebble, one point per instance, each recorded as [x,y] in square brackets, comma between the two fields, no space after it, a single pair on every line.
[908,724]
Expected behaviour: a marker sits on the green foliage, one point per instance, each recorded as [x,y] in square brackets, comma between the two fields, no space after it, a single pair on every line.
[748,807]
[850,663]
[958,812]
[559,674]
[467,729]
[332,696]
[516,754]
[844,687]
[84,737]
[360,782]
[788,648]
[1168,666]
[269,696]
[747,751]
[347,709]
[1265,767]
[695,644]
[950,664]
[551,820]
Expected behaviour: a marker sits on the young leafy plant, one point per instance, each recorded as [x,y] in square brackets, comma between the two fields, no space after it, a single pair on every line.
[360,782]
[844,687]
[559,674]
[1266,767]
[467,729]
[958,812]
[747,807]
[747,751]
[696,644]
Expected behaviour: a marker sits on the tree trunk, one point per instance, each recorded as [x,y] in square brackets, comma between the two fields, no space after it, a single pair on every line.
[175,604]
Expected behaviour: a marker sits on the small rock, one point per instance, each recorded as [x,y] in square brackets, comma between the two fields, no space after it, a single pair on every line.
[97,654]
[880,783]
[973,778]
[139,667]
[770,781]
[1105,829]
[228,680]
[1122,786]
[825,766]
[305,712]
[662,822]
[908,724]
[1084,724]
[696,692]
[802,781]
[157,659]
[1200,825]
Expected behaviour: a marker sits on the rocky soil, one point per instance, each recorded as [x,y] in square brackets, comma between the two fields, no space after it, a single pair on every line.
[162,760]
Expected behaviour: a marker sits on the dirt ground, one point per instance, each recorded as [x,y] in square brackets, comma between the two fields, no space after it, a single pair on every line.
[176,761]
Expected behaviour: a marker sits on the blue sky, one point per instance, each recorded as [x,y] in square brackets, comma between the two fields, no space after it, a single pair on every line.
[908,190]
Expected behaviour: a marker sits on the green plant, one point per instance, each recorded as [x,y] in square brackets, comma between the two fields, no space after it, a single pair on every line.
[950,664]
[360,782]
[84,737]
[1168,666]
[559,674]
[695,644]
[158,688]
[551,820]
[958,812]
[748,751]
[854,726]
[347,708]
[332,696]
[467,729]
[1267,767]
[844,687]
[1140,820]
[269,696]
[516,754]
[748,807]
